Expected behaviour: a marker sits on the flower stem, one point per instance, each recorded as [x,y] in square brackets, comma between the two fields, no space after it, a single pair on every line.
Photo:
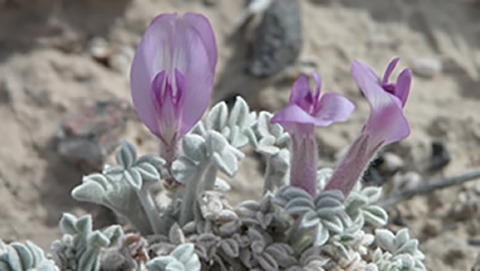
[276,172]
[156,222]
[303,161]
[170,152]
[352,166]
[190,195]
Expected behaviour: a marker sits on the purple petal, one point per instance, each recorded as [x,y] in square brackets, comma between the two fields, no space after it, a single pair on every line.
[300,90]
[318,82]
[404,81]
[292,117]
[168,115]
[389,70]
[191,58]
[152,51]
[205,31]
[387,125]
[333,107]
[366,80]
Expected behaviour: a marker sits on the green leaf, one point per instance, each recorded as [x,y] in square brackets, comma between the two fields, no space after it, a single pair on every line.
[133,177]
[89,191]
[68,224]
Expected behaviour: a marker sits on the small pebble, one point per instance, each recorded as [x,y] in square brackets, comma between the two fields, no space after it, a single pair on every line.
[432,227]
[121,60]
[392,163]
[427,67]
[408,180]
[100,49]
[440,156]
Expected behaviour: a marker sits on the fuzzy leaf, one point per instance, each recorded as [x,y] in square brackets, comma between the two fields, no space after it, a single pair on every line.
[226,163]
[215,142]
[133,177]
[183,169]
[376,215]
[89,191]
[230,247]
[194,147]
[68,224]
[25,256]
[175,235]
[321,235]
[267,262]
[148,172]
[239,113]
[126,154]
[113,170]
[217,117]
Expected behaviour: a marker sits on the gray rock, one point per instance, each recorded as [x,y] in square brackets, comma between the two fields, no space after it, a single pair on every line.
[278,40]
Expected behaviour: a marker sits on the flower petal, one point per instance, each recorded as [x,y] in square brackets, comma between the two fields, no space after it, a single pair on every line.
[192,60]
[205,31]
[151,53]
[366,80]
[318,88]
[404,81]
[291,116]
[387,125]
[389,70]
[300,90]
[333,107]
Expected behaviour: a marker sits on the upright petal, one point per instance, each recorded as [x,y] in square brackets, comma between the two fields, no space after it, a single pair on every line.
[366,80]
[204,29]
[389,70]
[300,90]
[152,55]
[193,61]
[318,88]
[404,81]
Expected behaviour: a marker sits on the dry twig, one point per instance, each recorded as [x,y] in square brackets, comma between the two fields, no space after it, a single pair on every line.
[429,187]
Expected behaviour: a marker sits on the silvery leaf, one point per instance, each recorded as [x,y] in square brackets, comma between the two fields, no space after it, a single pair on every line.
[372,193]
[230,247]
[126,154]
[376,215]
[68,224]
[175,235]
[113,170]
[321,235]
[183,169]
[267,262]
[215,142]
[238,115]
[194,147]
[217,117]
[148,171]
[227,163]
[133,177]
[89,191]
[221,185]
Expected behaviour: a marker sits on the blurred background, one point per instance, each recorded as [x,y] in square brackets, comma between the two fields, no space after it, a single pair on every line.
[65,101]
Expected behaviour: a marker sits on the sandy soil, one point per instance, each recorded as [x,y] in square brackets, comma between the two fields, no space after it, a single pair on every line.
[47,73]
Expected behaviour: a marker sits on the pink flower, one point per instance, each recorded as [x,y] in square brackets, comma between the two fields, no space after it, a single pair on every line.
[307,110]
[172,74]
[299,117]
[386,123]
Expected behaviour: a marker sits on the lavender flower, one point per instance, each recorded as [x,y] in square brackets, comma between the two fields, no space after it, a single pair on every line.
[299,117]
[386,123]
[172,75]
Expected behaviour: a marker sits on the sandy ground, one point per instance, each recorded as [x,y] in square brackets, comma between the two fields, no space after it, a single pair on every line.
[47,73]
